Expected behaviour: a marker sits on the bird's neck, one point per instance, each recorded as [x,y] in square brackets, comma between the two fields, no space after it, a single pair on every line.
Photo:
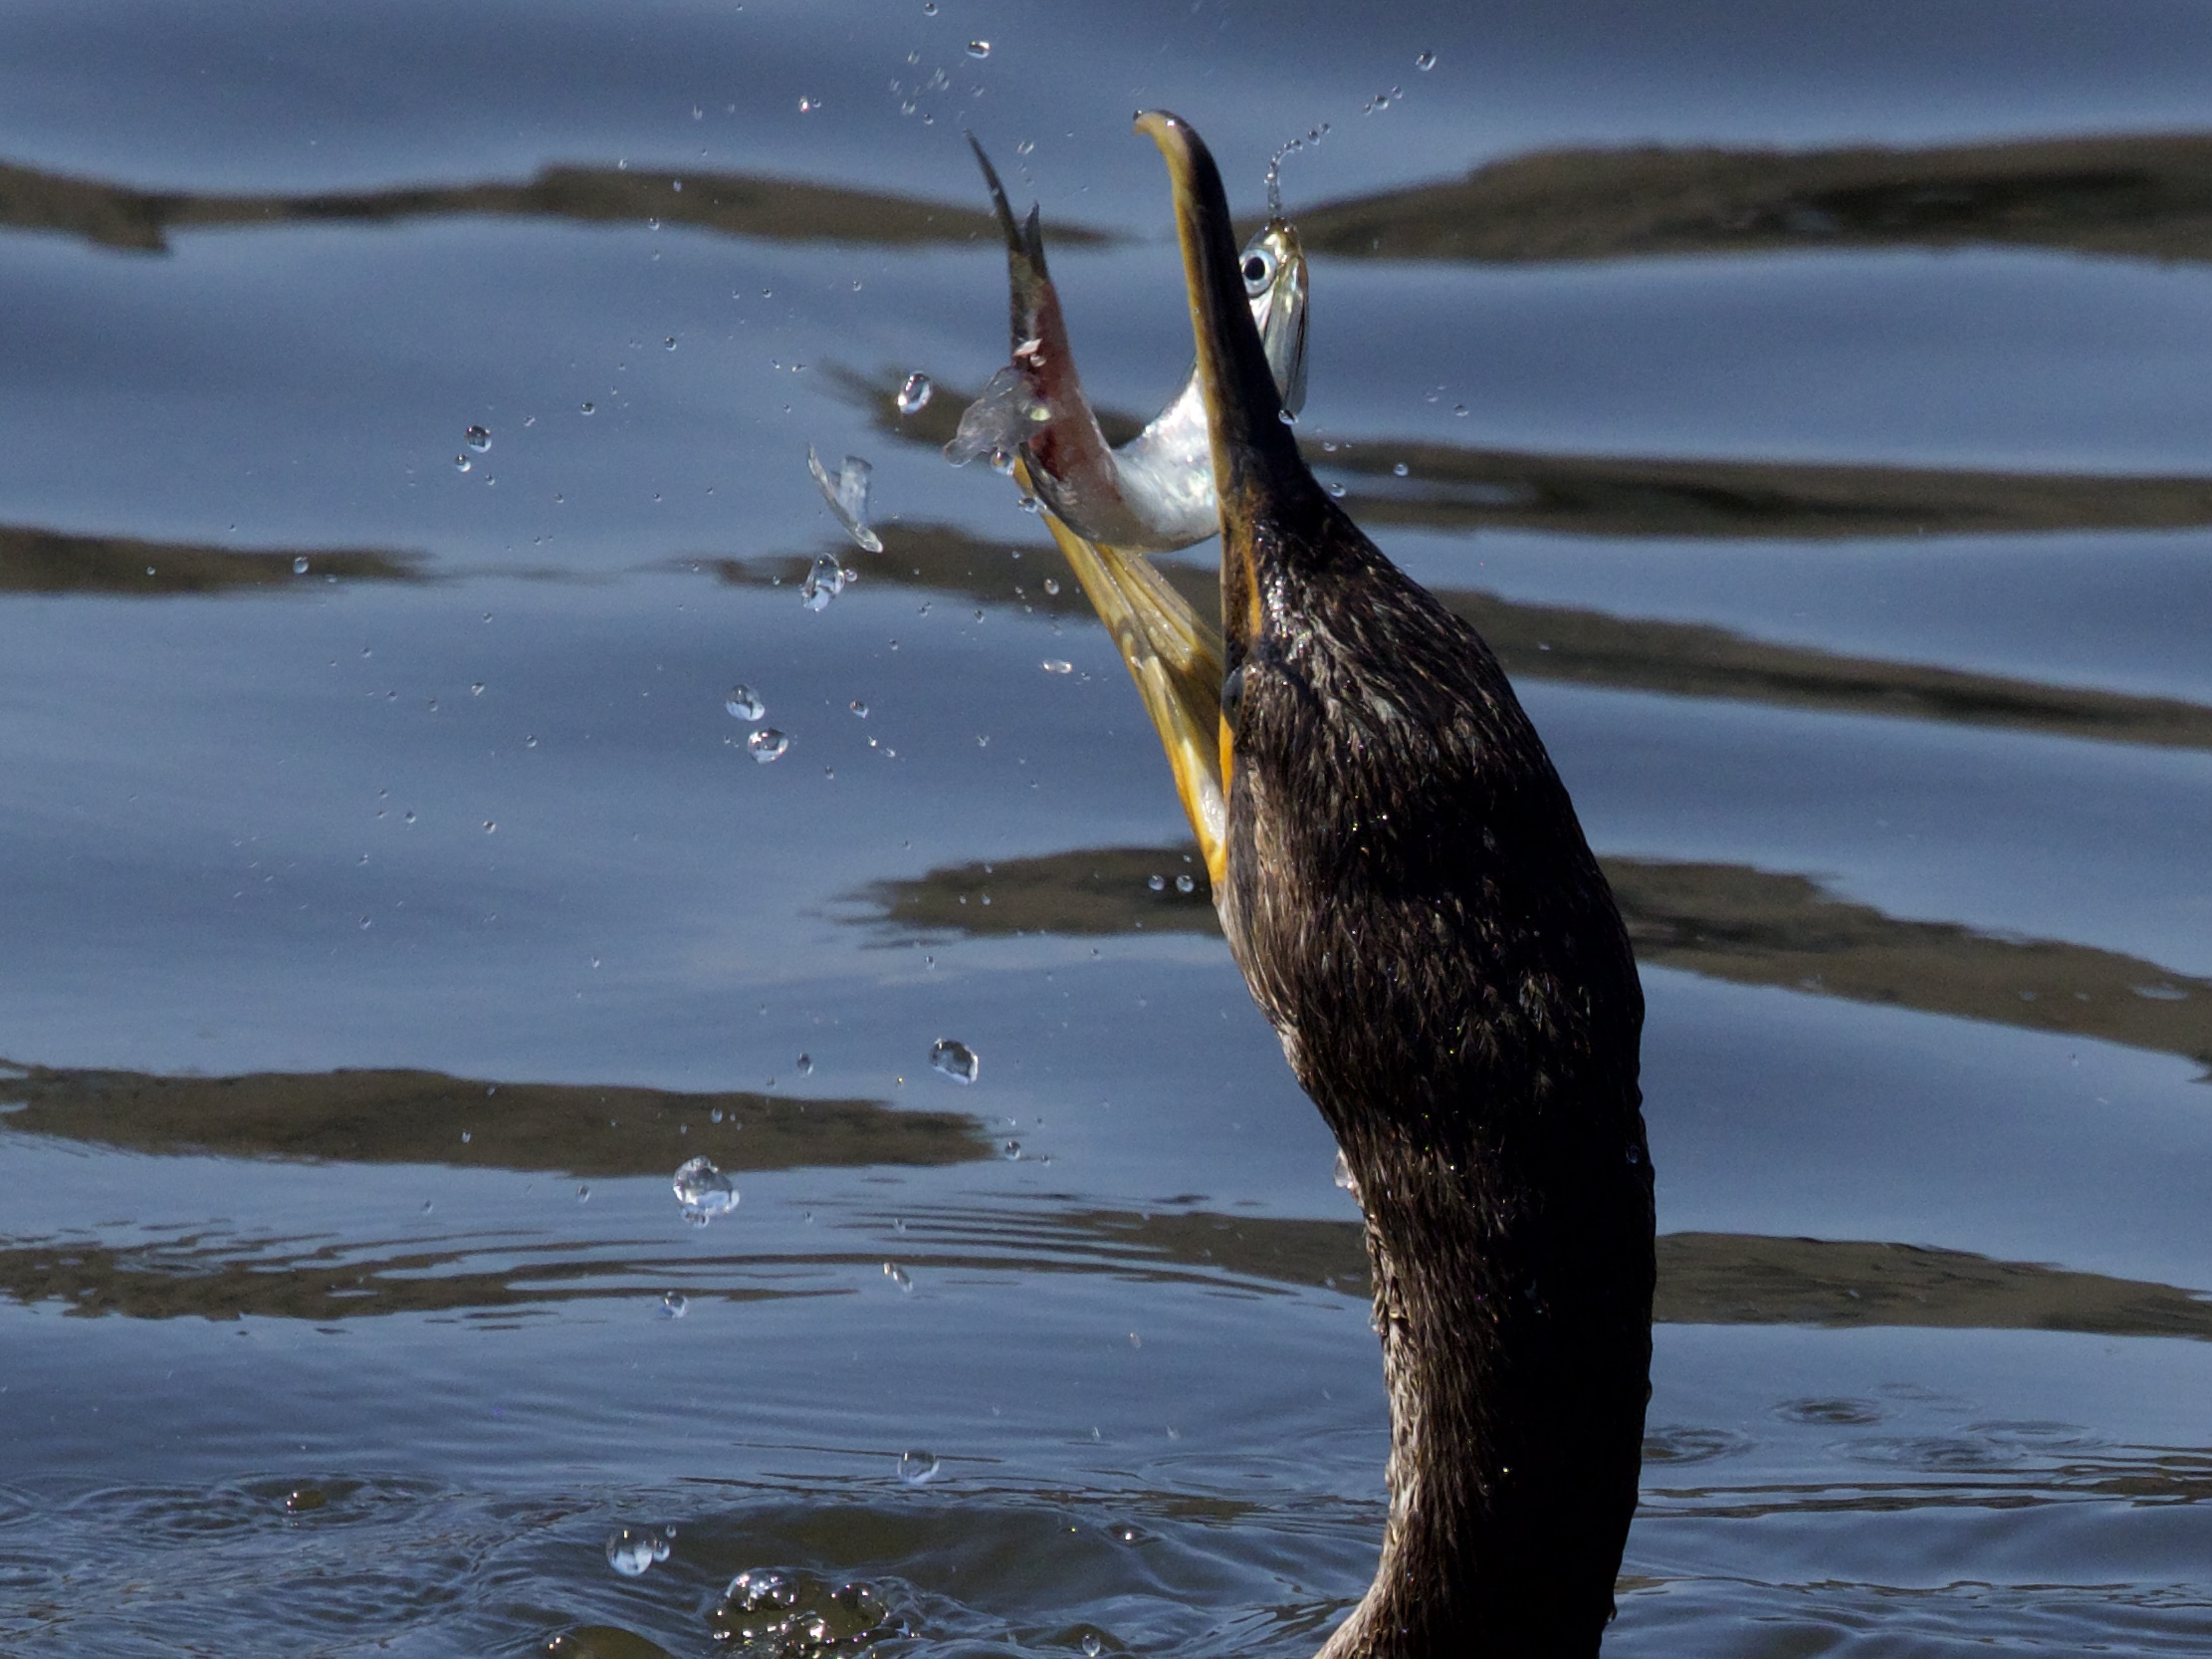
[1517,1350]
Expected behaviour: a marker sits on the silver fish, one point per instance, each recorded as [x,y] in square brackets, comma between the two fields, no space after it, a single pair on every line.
[1156,492]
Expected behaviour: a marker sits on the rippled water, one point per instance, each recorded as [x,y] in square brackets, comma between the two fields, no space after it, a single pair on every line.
[1810,410]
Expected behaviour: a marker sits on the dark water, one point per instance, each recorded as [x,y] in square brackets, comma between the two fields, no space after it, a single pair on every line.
[1812,408]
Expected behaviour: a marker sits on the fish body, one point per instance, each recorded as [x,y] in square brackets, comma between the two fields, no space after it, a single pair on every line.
[1156,492]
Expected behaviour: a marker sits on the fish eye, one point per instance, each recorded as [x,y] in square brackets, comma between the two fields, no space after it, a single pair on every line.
[1259,270]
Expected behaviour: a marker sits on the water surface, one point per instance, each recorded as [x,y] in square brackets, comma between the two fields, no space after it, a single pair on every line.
[1809,410]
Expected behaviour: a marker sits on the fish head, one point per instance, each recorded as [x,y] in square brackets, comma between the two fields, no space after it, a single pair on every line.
[1273,266]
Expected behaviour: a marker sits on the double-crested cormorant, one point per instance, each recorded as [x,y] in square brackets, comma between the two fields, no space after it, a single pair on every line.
[1403,882]
[1155,493]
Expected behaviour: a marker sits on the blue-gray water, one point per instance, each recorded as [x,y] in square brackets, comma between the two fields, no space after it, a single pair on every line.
[378,937]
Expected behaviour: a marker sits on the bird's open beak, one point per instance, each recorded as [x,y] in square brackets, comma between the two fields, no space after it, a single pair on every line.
[1175,656]
[1173,653]
[1256,464]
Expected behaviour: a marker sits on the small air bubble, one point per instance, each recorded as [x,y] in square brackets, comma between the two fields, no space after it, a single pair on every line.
[1057,665]
[587,408]
[768,744]
[917,1467]
[805,1064]
[1428,60]
[461,464]
[298,567]
[1184,884]
[978,49]
[675,1305]
[1158,884]
[1399,470]
[1052,587]
[743,704]
[915,396]
[858,707]
[478,438]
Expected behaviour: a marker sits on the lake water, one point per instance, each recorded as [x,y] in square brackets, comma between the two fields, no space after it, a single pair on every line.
[1811,407]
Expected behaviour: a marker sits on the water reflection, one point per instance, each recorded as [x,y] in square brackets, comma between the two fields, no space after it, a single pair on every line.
[2141,196]
[427,1117]
[1564,642]
[1727,921]
[731,204]
[1460,488]
[36,561]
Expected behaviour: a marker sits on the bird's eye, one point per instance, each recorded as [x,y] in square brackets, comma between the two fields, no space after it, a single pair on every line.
[1258,271]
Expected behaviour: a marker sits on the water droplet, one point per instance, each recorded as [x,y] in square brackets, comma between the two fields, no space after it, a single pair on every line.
[1428,60]
[1057,665]
[476,688]
[1092,1646]
[823,582]
[928,8]
[743,704]
[299,567]
[898,1276]
[978,49]
[807,106]
[859,708]
[805,1064]
[1184,884]
[1012,1151]
[1336,491]
[583,1195]
[704,1192]
[631,1550]
[955,1059]
[669,345]
[915,396]
[478,438]
[917,1467]
[1052,587]
[461,464]
[588,408]
[675,1305]
[1399,470]
[1343,1176]
[768,744]
[1158,884]
[491,825]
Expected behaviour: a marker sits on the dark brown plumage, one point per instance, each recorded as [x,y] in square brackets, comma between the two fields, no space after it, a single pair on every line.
[1412,903]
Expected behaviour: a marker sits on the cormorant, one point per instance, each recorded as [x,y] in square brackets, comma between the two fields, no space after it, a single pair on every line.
[1406,888]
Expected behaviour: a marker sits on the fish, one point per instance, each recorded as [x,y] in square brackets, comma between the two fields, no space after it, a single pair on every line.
[1155,493]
